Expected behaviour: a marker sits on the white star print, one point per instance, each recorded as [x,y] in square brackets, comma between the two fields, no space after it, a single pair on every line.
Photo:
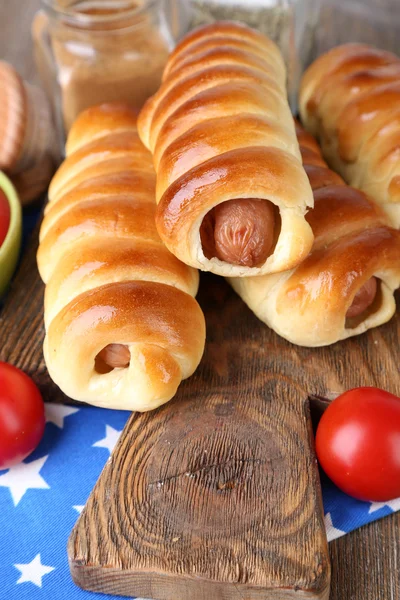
[331,530]
[79,508]
[56,413]
[33,571]
[23,477]
[110,440]
[393,504]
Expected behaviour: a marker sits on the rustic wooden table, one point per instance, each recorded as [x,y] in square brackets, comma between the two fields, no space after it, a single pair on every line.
[366,563]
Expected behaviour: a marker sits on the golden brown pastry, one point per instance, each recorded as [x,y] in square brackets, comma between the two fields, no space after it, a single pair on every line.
[231,190]
[122,325]
[346,285]
[350,100]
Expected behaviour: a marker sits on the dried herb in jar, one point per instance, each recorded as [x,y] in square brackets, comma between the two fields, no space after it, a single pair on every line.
[273,19]
[291,24]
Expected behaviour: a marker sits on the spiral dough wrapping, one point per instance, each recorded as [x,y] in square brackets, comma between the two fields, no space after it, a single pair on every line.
[231,191]
[346,285]
[350,100]
[122,325]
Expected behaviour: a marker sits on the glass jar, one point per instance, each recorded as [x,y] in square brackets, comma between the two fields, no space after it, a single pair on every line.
[291,24]
[179,16]
[374,22]
[93,51]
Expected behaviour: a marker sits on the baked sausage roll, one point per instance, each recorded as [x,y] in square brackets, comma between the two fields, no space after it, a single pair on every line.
[350,100]
[346,285]
[122,325]
[231,190]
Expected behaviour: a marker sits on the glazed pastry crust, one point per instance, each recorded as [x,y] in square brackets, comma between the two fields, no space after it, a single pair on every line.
[220,129]
[350,100]
[353,242]
[109,278]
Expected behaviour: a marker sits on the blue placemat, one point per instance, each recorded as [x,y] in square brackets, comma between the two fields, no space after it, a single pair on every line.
[40,500]
[31,216]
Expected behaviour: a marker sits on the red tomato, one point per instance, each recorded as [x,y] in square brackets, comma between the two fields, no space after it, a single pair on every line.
[4,216]
[22,417]
[358,444]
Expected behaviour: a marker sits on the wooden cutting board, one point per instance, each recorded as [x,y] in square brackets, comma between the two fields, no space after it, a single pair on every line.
[215,495]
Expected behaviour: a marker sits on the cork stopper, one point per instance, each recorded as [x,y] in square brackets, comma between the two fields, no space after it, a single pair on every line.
[28,149]
[12,116]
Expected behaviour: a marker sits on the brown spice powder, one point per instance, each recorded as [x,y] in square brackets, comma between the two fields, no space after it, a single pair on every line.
[105,60]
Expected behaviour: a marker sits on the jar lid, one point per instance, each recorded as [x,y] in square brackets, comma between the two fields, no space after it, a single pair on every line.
[12,115]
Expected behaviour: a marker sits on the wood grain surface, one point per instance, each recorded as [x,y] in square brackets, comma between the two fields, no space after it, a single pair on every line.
[216,494]
[246,382]
[366,563]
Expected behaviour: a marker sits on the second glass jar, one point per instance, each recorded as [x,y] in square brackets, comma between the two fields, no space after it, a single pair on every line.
[94,51]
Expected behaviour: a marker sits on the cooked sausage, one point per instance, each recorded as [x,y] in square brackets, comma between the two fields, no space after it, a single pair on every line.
[364,298]
[239,232]
[114,356]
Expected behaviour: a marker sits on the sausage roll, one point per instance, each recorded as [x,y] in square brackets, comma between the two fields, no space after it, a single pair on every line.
[231,191]
[346,285]
[350,100]
[122,325]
